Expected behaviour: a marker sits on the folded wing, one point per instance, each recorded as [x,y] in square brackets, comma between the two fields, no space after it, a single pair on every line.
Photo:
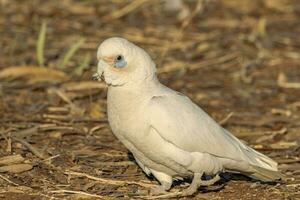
[181,122]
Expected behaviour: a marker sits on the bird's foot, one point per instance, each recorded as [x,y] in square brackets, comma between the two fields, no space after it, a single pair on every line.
[197,182]
[189,191]
[165,183]
[177,194]
[209,182]
[160,191]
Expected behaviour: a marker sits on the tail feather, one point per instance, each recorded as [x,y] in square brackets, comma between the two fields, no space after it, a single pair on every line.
[262,167]
[256,165]
[258,159]
[263,174]
[252,156]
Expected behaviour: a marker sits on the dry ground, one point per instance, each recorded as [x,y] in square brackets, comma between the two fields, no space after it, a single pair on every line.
[238,60]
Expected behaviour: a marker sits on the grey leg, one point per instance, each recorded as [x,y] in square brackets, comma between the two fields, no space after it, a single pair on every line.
[197,182]
[165,182]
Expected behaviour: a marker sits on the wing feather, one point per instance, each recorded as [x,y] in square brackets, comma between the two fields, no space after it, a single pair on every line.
[181,122]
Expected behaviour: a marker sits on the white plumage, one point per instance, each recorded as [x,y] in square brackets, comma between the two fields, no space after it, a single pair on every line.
[169,136]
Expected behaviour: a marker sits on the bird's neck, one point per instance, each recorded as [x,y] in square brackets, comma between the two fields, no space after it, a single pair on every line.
[136,88]
[132,94]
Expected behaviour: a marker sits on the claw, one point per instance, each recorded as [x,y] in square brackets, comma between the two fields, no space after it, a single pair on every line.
[197,182]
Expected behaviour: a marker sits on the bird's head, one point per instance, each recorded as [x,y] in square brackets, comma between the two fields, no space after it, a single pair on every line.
[121,62]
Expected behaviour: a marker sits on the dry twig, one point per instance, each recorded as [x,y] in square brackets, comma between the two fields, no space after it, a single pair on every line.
[223,121]
[31,148]
[282,82]
[12,159]
[9,181]
[125,10]
[108,181]
[78,192]
[16,168]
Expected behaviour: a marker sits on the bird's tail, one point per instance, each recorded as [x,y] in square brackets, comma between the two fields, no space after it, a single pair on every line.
[256,165]
[264,174]
[261,166]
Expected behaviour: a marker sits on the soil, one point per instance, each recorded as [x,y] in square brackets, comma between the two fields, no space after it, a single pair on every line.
[238,60]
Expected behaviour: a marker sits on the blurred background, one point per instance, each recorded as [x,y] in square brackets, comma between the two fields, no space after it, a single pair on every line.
[238,60]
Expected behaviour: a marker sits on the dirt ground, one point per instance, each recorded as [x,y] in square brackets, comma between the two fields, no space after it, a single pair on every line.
[238,60]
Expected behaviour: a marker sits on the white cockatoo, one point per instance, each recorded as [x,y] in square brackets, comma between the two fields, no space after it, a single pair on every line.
[169,136]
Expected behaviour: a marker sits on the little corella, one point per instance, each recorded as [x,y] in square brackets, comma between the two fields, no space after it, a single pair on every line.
[169,136]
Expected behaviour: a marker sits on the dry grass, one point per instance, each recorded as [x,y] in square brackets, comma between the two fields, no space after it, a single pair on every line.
[239,60]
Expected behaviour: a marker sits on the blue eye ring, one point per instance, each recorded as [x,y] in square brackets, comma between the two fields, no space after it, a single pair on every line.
[119,61]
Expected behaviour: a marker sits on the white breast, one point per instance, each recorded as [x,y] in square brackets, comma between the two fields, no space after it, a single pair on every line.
[125,116]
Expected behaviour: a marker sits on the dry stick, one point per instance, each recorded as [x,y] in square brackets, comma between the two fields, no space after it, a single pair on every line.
[9,181]
[108,181]
[282,82]
[165,196]
[77,192]
[57,109]
[22,133]
[57,117]
[50,158]
[83,85]
[214,61]
[223,121]
[96,128]
[63,96]
[288,161]
[26,132]
[119,163]
[205,63]
[178,36]
[125,10]
[54,127]
[170,195]
[30,147]
[11,159]
[16,168]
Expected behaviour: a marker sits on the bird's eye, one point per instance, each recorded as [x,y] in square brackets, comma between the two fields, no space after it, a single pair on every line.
[119,58]
[119,61]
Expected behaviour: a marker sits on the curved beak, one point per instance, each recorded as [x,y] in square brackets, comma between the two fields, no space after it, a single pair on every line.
[102,64]
[96,77]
